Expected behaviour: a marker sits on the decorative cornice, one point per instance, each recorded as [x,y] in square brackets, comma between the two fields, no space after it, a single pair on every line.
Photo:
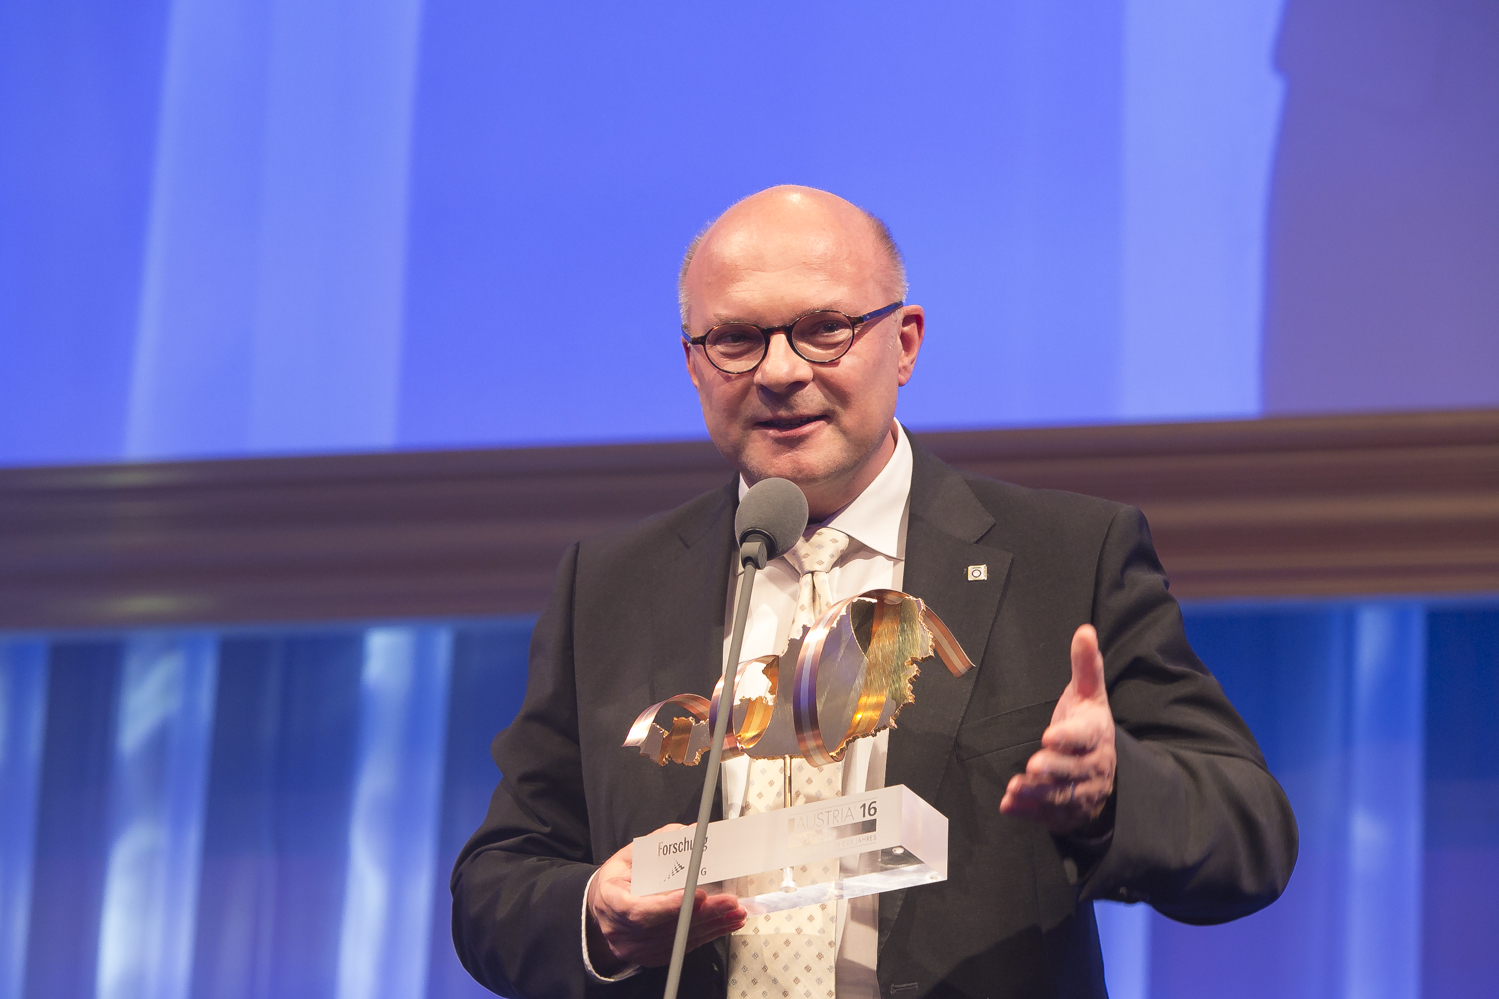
[1314,506]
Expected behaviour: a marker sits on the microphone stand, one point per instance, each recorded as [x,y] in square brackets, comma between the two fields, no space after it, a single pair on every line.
[752,555]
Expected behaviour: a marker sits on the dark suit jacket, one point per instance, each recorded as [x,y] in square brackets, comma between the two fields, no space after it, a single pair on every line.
[1201,830]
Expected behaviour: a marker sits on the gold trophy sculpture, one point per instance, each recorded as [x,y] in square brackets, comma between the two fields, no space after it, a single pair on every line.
[851,674]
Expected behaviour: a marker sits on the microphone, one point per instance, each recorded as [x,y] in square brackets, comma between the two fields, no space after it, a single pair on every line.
[770,520]
[773,512]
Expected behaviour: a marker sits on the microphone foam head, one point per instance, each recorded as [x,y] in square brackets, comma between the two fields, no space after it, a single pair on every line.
[775,508]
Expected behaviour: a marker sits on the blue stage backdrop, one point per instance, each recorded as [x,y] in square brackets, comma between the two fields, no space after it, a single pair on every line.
[236,227]
[242,227]
[274,813]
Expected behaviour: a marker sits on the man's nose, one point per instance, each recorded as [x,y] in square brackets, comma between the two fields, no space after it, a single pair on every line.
[782,367]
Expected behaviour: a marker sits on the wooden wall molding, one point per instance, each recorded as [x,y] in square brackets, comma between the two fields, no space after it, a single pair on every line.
[1316,506]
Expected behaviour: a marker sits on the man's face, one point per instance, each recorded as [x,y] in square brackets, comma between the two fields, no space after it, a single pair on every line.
[826,427]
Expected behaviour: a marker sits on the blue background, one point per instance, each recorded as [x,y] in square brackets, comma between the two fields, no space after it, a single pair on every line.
[243,227]
[274,812]
[233,227]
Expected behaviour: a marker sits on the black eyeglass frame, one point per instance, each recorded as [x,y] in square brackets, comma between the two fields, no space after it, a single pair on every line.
[854,322]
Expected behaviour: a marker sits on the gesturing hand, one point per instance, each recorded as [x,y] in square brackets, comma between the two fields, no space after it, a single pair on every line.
[1068,781]
[627,929]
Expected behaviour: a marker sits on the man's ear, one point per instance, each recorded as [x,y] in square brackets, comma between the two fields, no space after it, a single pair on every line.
[912,330]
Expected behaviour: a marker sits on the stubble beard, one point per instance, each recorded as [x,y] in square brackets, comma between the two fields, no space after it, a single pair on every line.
[814,467]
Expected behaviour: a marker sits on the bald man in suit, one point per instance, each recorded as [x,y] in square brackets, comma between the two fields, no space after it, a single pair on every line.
[1090,754]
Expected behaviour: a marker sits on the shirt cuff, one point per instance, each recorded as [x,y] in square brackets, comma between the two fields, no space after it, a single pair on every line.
[629,972]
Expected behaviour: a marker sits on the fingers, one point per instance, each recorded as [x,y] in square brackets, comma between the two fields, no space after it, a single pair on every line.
[1055,769]
[1055,785]
[1081,732]
[640,929]
[637,914]
[711,909]
[1062,806]
[1087,664]
[1067,782]
[705,929]
[1047,774]
[1039,797]
[649,942]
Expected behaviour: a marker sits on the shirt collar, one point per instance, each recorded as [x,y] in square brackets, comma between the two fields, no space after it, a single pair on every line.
[874,517]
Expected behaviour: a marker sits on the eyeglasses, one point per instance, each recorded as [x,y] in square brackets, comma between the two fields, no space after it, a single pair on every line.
[817,337]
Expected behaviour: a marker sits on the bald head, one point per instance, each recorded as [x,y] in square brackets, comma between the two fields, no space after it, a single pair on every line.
[778,225]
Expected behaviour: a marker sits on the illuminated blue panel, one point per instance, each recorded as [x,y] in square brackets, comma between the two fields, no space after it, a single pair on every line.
[157,790]
[393,829]
[23,712]
[1124,937]
[265,227]
[1461,887]
[1286,670]
[1386,791]
[1333,693]
[271,299]
[187,378]
[1201,110]
[248,227]
[561,163]
[72,822]
[79,86]
[348,766]
[488,681]
[276,830]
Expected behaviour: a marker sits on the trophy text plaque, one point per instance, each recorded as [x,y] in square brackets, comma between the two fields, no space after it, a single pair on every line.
[882,840]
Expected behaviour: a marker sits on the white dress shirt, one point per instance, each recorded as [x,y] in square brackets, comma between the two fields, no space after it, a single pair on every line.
[875,521]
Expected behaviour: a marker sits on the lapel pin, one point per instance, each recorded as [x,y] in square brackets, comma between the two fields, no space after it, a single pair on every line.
[978,572]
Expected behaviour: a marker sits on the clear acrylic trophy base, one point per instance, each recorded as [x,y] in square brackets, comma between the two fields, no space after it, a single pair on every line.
[882,840]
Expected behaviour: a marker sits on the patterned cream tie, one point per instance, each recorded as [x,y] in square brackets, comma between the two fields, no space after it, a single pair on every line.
[793,953]
[813,557]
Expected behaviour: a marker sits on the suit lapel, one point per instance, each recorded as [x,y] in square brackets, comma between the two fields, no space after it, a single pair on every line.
[946,521]
[689,591]
[689,594]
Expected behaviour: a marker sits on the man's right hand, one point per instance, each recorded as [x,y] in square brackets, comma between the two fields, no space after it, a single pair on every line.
[625,929]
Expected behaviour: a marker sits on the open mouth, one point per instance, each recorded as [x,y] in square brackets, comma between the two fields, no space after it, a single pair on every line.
[788,422]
